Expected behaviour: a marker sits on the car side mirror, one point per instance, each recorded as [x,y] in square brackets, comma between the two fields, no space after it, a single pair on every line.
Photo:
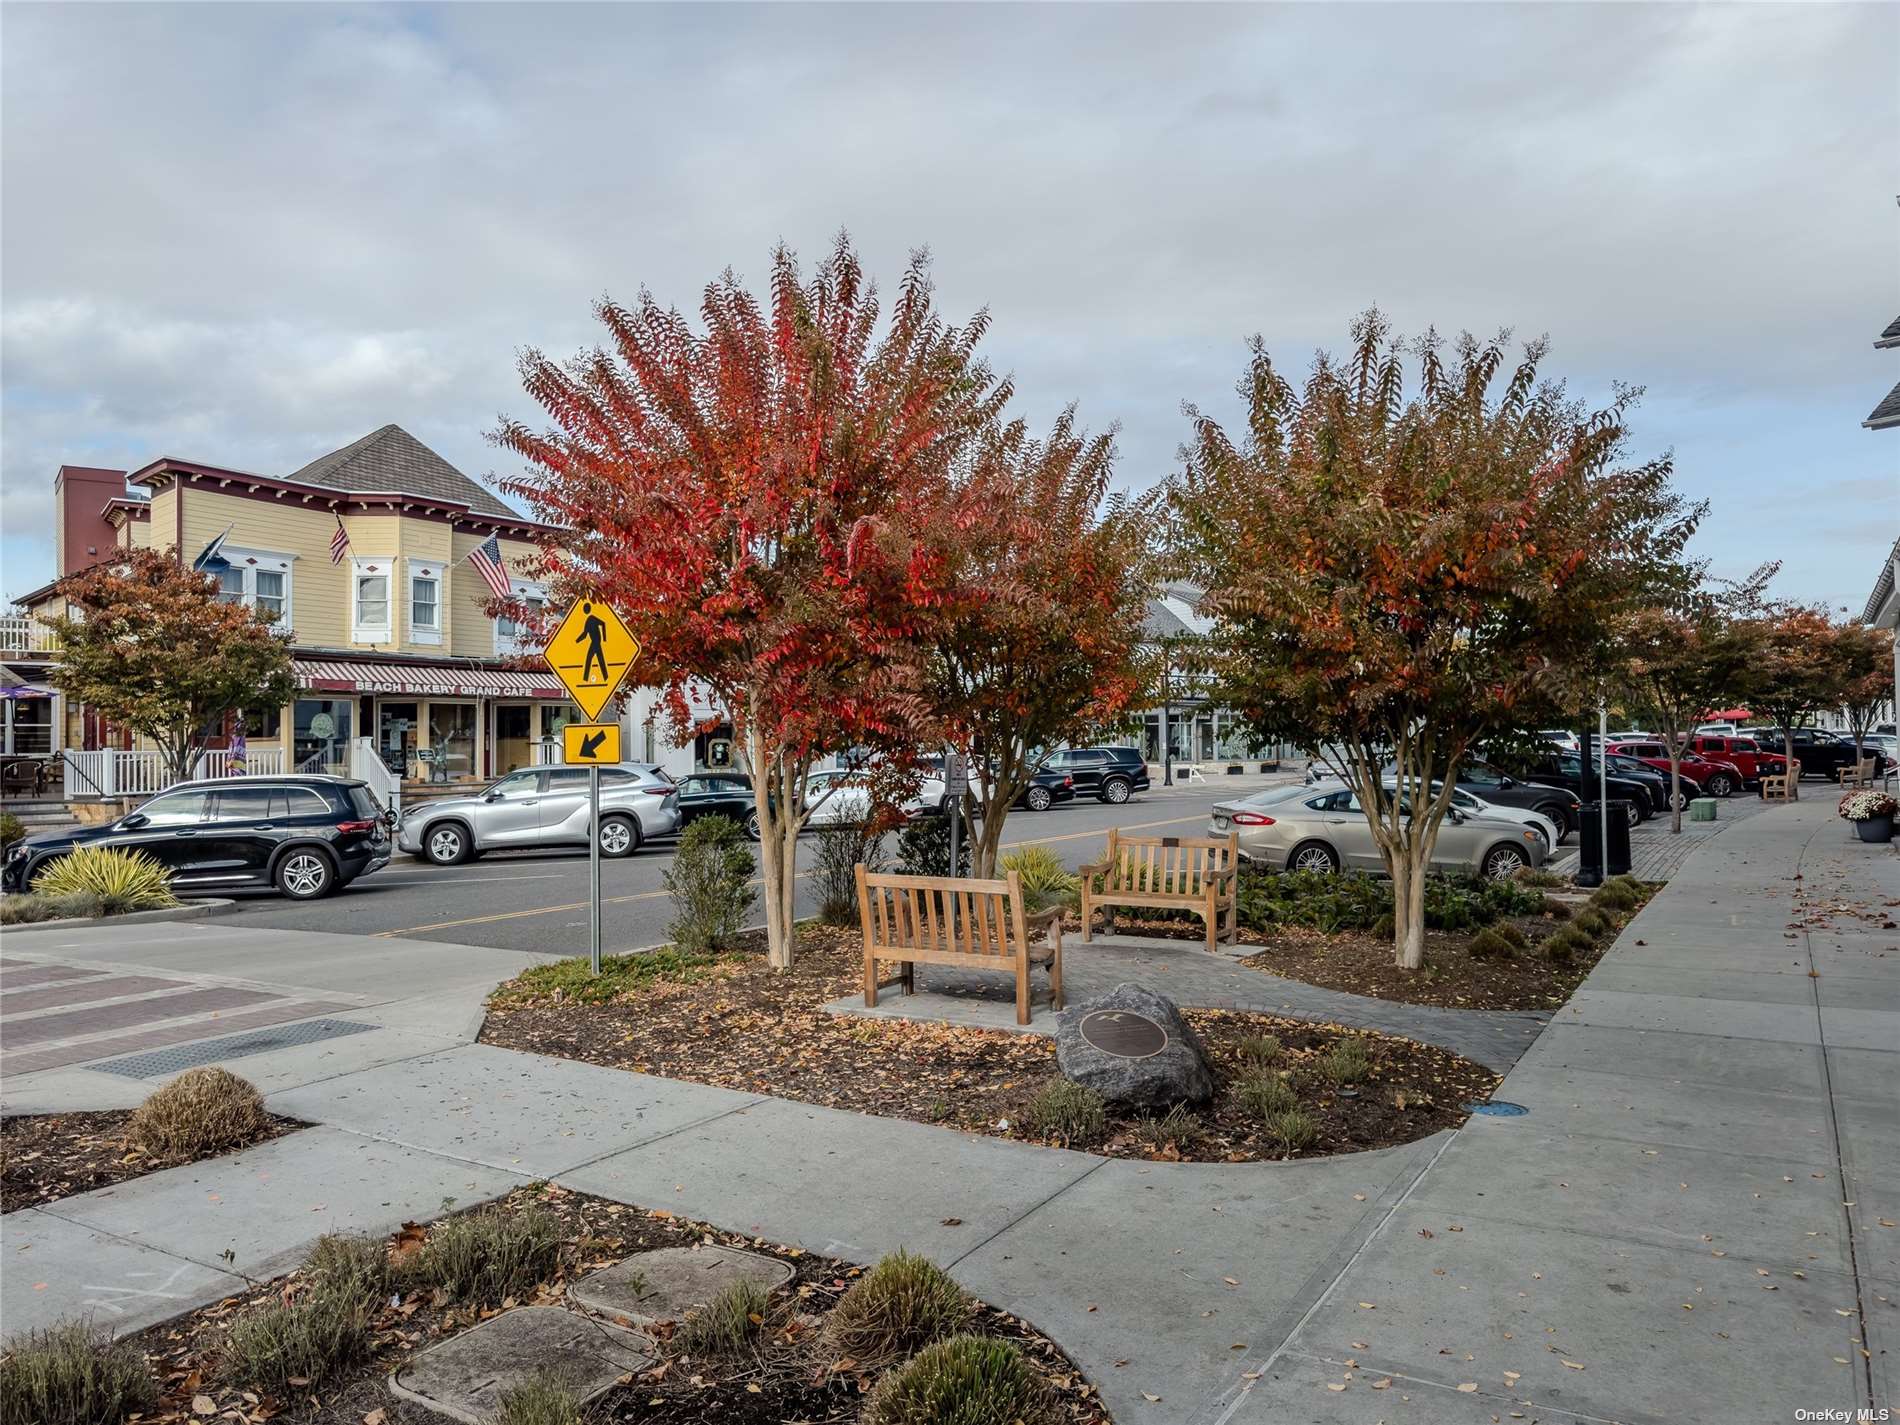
[492,797]
[1456,817]
[135,821]
[1507,781]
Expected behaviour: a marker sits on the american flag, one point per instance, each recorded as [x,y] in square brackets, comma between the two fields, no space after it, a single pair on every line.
[487,561]
[339,542]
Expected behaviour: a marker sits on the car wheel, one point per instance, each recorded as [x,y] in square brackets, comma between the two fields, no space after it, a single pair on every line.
[306,874]
[1039,799]
[618,836]
[1680,801]
[446,844]
[1115,790]
[1632,815]
[1720,785]
[1503,861]
[752,825]
[1314,856]
[1557,816]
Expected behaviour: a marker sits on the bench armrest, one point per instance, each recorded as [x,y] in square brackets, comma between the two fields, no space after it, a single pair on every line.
[1043,919]
[1095,868]
[1227,875]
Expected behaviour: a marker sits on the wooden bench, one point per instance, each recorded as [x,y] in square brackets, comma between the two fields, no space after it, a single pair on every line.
[939,920]
[1775,787]
[1194,873]
[1861,774]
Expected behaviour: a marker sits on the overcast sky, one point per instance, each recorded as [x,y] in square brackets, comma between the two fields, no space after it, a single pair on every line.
[248,234]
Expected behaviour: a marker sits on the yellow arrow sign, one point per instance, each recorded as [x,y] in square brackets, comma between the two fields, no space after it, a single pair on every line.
[590,651]
[584,743]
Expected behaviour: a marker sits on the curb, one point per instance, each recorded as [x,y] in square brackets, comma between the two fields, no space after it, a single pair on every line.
[194,911]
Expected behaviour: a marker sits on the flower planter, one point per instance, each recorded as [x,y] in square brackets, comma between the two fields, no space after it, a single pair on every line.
[1875,828]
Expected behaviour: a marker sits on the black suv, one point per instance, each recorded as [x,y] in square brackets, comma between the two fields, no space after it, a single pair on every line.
[1819,751]
[303,835]
[1112,773]
[1488,783]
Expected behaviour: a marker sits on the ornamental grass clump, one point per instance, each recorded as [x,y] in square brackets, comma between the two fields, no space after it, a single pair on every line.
[538,1400]
[1593,922]
[1264,1094]
[966,1380]
[1347,1062]
[1564,946]
[1045,879]
[900,1306]
[483,1258]
[728,1324]
[1067,1112]
[123,881]
[1491,944]
[1614,896]
[73,1373]
[1260,1048]
[1293,1129]
[201,1112]
[307,1340]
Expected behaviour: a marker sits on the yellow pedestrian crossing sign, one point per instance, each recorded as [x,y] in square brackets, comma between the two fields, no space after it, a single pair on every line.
[584,743]
[591,651]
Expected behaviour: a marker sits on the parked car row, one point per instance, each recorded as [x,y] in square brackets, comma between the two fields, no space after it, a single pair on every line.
[306,836]
[1323,828]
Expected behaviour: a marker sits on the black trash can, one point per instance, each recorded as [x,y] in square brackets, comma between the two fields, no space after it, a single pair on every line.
[1590,854]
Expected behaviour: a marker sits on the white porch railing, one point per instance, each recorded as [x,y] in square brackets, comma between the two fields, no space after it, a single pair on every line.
[22,633]
[367,765]
[547,752]
[112,773]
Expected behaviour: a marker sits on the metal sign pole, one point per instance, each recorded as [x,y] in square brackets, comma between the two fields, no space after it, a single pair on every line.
[1603,786]
[593,864]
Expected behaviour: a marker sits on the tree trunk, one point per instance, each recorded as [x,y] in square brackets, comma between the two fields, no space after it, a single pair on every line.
[988,842]
[1675,802]
[1408,905]
[778,847]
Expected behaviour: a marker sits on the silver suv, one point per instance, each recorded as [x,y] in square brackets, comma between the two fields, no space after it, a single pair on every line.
[544,806]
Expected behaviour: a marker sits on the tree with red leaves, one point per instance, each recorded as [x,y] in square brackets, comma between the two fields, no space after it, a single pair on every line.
[1798,670]
[1395,575]
[1036,579]
[152,646]
[737,494]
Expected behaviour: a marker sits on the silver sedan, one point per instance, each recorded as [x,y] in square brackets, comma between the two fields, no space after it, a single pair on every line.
[1324,829]
[544,806]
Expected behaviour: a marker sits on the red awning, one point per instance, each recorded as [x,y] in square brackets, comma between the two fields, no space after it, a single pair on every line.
[423,680]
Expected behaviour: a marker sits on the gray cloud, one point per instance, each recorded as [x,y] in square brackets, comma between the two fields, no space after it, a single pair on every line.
[248,234]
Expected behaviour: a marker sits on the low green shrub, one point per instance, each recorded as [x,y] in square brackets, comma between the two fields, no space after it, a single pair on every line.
[483,1258]
[1614,896]
[725,1326]
[1044,877]
[835,870]
[1180,1128]
[12,829]
[1593,922]
[308,1340]
[1292,1129]
[966,1380]
[1564,946]
[73,1373]
[1384,927]
[923,848]
[31,908]
[359,1267]
[1557,910]
[1517,938]
[1491,944]
[900,1306]
[1260,1048]
[1066,1111]
[201,1112]
[123,880]
[1355,902]
[620,976]
[538,1400]
[710,882]
[1347,1062]
[1264,1094]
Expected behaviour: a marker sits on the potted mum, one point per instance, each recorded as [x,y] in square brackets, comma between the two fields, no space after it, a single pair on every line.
[1872,813]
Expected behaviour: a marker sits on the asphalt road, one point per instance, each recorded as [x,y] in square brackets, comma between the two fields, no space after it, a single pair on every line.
[537,901]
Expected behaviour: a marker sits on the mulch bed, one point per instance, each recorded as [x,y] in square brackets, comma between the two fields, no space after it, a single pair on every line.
[745,1026]
[186,1355]
[44,1157]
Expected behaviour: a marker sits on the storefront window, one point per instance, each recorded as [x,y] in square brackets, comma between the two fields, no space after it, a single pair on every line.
[264,725]
[452,736]
[321,734]
[29,726]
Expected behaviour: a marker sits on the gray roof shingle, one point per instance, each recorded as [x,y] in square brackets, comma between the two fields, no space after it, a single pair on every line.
[1887,413]
[394,461]
[1891,336]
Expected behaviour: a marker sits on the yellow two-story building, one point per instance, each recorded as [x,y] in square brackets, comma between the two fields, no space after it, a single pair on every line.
[392,636]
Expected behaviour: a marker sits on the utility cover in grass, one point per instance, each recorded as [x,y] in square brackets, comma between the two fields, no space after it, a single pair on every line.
[465,1376]
[664,1285]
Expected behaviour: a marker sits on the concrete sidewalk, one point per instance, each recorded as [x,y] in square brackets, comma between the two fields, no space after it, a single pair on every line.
[1663,1237]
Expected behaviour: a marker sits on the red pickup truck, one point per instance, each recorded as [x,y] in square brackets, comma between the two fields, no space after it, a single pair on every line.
[1718,777]
[1743,753]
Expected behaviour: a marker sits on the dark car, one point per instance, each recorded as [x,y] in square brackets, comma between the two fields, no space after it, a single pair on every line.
[727,794]
[1627,780]
[1112,773]
[1049,786]
[1493,784]
[1820,753]
[305,836]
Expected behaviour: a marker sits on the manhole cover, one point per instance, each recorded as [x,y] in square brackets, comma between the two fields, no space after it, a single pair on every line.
[1123,1033]
[1497,1108]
